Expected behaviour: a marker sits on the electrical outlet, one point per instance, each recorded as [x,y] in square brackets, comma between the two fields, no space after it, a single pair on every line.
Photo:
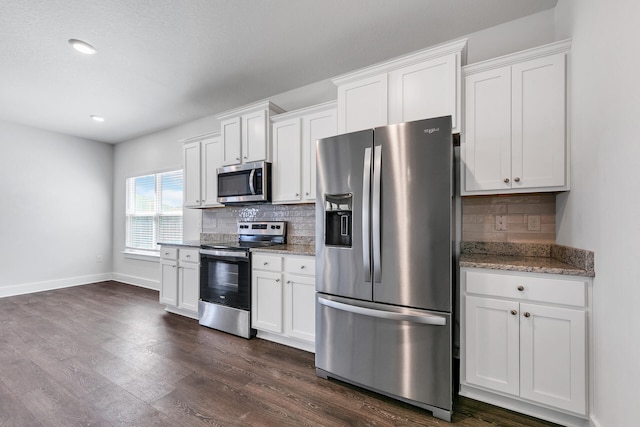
[533,223]
[501,223]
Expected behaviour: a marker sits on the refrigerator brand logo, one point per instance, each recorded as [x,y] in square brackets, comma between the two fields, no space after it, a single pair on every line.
[432,130]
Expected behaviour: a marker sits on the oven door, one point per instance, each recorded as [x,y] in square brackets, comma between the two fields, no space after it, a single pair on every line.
[225,278]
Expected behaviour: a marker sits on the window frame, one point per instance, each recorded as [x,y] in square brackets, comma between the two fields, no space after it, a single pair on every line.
[130,249]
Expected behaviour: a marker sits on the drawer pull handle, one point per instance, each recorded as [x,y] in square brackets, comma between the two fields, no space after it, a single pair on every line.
[521,288]
[527,314]
[514,312]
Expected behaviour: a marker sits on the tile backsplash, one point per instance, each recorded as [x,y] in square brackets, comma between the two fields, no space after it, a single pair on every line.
[301,220]
[518,218]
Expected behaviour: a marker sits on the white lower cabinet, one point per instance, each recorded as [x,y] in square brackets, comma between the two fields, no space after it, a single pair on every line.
[283,299]
[180,280]
[524,343]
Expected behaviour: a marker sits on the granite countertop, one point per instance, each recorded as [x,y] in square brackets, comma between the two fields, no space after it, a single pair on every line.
[528,257]
[289,249]
[182,243]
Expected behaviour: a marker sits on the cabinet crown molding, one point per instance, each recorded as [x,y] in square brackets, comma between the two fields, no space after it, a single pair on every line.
[251,108]
[562,46]
[198,138]
[458,46]
[318,108]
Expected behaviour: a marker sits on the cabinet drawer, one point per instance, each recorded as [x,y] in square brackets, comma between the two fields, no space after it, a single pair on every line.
[300,265]
[190,255]
[167,252]
[529,288]
[266,262]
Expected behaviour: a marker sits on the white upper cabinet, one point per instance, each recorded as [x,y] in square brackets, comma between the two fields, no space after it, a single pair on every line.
[363,104]
[421,85]
[427,89]
[202,155]
[515,136]
[246,133]
[294,151]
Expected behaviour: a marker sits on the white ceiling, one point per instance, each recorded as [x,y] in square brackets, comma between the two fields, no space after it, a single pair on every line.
[165,62]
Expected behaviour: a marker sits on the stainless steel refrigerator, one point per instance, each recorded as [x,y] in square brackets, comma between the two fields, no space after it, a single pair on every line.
[384,261]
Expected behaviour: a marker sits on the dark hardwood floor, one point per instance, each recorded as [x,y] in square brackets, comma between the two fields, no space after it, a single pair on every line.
[108,354]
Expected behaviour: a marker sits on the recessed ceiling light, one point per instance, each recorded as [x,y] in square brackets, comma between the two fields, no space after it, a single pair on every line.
[97,118]
[82,47]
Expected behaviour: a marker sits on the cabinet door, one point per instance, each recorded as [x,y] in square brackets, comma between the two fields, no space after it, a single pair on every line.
[230,131]
[286,161]
[191,158]
[314,127]
[538,140]
[552,356]
[362,104]
[212,155]
[266,301]
[189,286]
[492,348]
[300,318]
[254,137]
[168,282]
[424,90]
[487,149]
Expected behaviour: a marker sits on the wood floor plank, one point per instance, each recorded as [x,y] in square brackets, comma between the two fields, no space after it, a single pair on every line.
[108,354]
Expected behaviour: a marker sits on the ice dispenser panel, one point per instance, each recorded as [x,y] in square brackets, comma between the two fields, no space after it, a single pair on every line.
[338,219]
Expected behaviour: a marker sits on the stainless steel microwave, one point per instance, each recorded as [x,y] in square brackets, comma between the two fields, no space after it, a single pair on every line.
[244,184]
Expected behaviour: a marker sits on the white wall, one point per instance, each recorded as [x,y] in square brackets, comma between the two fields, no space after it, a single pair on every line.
[55,214]
[600,212]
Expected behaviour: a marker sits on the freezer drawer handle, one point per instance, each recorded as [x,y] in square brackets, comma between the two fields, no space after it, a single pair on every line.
[427,319]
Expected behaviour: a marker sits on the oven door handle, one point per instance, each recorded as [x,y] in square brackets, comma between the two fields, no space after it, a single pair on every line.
[217,252]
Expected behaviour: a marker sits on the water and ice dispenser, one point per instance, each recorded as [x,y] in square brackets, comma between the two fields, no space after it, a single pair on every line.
[338,219]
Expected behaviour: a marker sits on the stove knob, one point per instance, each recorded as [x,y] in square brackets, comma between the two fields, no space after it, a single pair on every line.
[273,227]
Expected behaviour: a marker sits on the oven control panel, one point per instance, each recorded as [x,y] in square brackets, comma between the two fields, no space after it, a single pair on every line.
[264,228]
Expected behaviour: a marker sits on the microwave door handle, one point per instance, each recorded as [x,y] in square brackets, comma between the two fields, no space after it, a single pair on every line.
[251,179]
[375,213]
[366,214]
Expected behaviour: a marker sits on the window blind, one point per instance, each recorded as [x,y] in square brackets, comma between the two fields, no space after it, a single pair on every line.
[153,209]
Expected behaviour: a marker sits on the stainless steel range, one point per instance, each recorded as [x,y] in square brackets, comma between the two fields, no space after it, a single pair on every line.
[225,276]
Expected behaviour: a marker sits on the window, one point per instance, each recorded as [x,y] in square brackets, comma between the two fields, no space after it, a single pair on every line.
[154,210]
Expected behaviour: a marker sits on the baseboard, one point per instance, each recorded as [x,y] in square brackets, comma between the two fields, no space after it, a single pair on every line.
[29,288]
[137,281]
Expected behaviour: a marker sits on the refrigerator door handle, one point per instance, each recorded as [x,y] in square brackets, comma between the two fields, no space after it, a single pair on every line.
[366,204]
[426,319]
[375,212]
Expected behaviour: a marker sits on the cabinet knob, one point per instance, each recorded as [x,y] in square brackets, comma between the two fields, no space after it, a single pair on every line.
[527,314]
[306,193]
[297,194]
[302,267]
[266,263]
[288,282]
[197,201]
[516,179]
[188,256]
[237,158]
[245,157]
[277,280]
[521,288]
[514,312]
[506,180]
